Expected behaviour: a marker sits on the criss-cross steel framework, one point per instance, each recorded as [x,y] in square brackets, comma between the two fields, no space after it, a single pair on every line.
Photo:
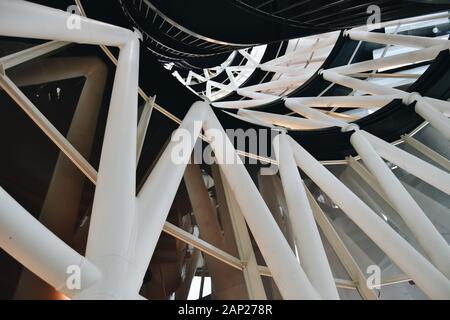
[125,227]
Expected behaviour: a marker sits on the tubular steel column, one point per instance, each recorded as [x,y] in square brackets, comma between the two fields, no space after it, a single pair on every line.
[113,219]
[287,273]
[111,232]
[309,245]
[424,274]
[434,244]
[154,205]
[365,86]
[182,292]
[390,61]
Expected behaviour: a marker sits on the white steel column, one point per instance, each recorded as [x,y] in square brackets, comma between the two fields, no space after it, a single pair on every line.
[242,103]
[424,108]
[113,214]
[394,218]
[39,250]
[271,189]
[433,243]
[309,245]
[287,273]
[156,196]
[111,231]
[424,274]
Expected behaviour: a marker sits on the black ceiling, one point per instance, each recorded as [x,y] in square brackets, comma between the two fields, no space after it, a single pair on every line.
[226,21]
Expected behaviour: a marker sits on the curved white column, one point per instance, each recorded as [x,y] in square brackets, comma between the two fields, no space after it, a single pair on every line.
[309,245]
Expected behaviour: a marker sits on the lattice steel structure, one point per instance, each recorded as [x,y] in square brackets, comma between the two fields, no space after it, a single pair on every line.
[313,231]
